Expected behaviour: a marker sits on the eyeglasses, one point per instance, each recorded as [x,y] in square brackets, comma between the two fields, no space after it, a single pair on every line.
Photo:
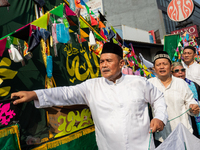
[177,70]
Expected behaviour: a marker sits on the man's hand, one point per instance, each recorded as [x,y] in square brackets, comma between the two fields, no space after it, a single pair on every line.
[24,96]
[194,109]
[156,125]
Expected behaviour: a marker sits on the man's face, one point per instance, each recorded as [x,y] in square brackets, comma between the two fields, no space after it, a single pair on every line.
[188,55]
[162,67]
[110,66]
[179,72]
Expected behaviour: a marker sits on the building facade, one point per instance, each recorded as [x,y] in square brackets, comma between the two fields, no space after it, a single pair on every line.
[146,15]
[170,25]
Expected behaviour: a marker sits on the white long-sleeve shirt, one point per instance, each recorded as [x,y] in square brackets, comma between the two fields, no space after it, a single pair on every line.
[192,72]
[119,110]
[178,98]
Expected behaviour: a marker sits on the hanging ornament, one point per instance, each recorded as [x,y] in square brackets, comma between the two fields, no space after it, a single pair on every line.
[14,54]
[92,39]
[187,36]
[173,59]
[176,54]
[66,23]
[49,67]
[198,49]
[51,41]
[54,35]
[62,33]
[186,44]
[54,38]
[27,55]
[72,5]
[179,56]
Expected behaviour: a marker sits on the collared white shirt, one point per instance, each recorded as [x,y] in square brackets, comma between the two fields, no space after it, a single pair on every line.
[178,98]
[119,110]
[193,72]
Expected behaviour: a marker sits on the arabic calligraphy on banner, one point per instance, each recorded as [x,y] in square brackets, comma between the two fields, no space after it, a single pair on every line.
[78,63]
[5,74]
[180,10]
[68,119]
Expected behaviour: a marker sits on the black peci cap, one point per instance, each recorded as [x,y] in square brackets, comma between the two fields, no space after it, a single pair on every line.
[112,48]
[190,47]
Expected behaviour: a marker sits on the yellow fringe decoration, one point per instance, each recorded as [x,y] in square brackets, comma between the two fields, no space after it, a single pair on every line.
[10,130]
[64,140]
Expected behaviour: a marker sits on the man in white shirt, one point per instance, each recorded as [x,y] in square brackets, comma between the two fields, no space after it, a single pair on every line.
[178,96]
[192,67]
[118,103]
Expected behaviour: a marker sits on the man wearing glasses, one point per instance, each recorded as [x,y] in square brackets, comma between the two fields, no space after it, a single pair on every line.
[192,68]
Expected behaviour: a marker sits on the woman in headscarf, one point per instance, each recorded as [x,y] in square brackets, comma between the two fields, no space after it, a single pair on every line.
[179,71]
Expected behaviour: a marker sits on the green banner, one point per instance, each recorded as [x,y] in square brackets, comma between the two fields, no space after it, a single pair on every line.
[84,139]
[74,64]
[9,138]
[171,44]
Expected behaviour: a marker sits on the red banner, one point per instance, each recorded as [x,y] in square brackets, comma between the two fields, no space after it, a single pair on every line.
[192,30]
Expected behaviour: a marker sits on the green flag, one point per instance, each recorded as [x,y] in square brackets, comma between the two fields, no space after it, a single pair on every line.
[88,9]
[179,44]
[66,23]
[58,11]
[9,41]
[133,58]
[92,13]
[180,39]
[171,43]
[53,20]
[98,37]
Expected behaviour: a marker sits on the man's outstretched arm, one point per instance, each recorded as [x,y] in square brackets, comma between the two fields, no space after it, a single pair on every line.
[58,96]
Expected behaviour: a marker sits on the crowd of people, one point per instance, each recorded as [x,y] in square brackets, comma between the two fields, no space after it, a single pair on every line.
[119,103]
